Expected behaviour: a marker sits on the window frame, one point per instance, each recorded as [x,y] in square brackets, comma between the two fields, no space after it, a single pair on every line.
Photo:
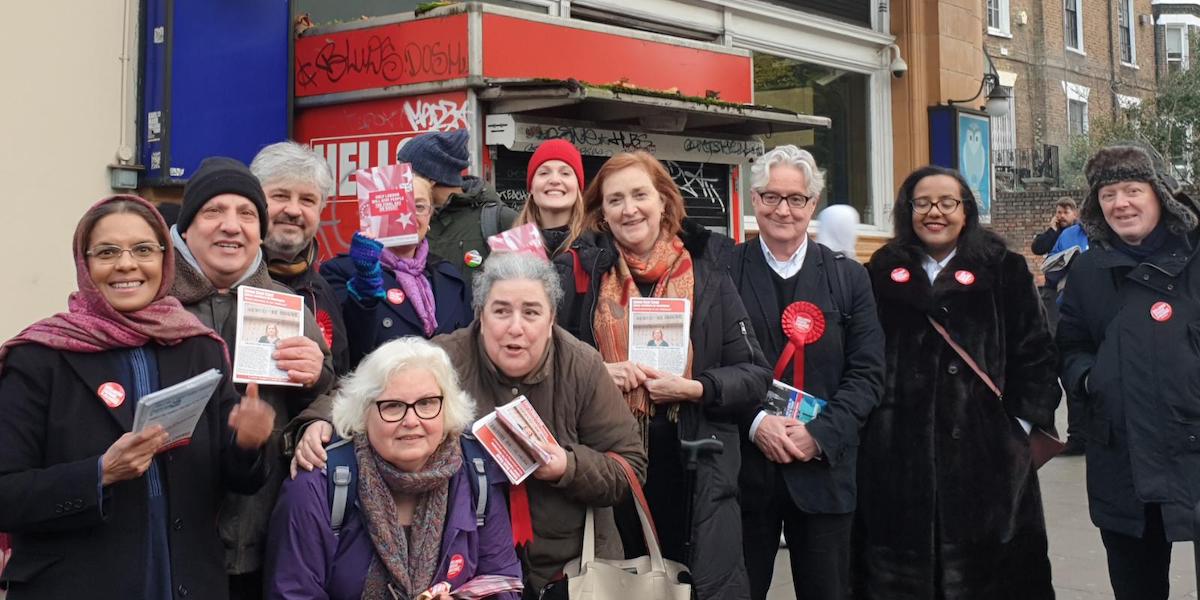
[1071,134]
[1078,10]
[1184,58]
[1126,6]
[1003,26]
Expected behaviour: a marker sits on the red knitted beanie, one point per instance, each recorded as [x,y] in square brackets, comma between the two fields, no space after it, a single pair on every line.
[556,150]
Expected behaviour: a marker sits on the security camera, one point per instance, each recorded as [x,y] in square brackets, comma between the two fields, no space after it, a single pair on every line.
[898,67]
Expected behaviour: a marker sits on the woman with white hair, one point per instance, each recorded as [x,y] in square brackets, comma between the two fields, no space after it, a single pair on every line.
[414,523]
[513,348]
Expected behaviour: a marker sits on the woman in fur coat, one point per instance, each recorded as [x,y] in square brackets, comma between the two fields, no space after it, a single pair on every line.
[949,505]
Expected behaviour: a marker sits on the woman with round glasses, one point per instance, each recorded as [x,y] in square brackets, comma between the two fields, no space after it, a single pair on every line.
[414,523]
[387,293]
[87,498]
[948,500]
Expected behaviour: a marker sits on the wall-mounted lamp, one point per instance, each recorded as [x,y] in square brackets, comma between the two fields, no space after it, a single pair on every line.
[997,96]
[898,67]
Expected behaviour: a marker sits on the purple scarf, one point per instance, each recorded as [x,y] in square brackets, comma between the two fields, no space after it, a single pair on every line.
[410,272]
[93,325]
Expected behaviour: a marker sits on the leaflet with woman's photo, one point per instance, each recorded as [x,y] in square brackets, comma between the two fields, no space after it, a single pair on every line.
[265,317]
[658,333]
[177,408]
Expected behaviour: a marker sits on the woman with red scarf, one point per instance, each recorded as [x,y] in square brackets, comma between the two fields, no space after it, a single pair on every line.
[88,503]
[639,244]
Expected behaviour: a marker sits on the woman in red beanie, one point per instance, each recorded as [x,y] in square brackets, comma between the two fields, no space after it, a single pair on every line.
[555,183]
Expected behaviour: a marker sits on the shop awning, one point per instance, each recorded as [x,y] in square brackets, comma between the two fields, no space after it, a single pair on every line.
[655,111]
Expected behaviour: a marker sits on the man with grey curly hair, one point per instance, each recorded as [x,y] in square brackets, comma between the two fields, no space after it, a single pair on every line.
[296,182]
[1131,349]
[799,477]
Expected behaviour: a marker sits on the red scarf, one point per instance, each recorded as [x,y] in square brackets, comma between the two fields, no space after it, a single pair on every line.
[91,324]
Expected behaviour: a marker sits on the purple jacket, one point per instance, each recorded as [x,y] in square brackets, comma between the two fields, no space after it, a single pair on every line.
[306,561]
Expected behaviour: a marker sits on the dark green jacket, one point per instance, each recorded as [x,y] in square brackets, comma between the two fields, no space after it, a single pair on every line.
[457,228]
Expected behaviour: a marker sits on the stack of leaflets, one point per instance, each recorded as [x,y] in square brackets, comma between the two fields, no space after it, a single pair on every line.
[784,400]
[512,434]
[177,408]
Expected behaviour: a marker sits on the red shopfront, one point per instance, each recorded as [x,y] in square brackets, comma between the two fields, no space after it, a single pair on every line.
[514,79]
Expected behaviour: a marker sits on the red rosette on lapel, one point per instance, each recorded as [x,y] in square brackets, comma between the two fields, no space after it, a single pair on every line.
[803,323]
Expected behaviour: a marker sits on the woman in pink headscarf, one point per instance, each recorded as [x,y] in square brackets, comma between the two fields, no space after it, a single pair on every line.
[86,500]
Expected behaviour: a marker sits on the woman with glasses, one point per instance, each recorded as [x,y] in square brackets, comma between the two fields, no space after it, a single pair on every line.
[413,524]
[639,244]
[387,293]
[948,500]
[95,507]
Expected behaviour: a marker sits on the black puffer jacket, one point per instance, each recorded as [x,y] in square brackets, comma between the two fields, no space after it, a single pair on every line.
[728,363]
[1132,332]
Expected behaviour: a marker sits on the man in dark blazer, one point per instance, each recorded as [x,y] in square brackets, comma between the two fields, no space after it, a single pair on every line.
[801,477]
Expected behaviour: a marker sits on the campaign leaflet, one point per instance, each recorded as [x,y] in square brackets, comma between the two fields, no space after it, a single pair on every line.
[177,408]
[658,333]
[265,317]
[386,207]
[526,238]
[784,400]
[510,434]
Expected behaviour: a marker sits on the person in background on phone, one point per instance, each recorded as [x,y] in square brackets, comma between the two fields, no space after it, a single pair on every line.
[554,179]
[296,183]
[218,241]
[1131,349]
[800,478]
[1065,215]
[95,509]
[838,229]
[387,293]
[949,504]
[513,348]
[414,524]
[639,244]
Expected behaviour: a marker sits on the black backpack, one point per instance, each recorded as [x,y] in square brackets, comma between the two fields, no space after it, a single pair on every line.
[342,468]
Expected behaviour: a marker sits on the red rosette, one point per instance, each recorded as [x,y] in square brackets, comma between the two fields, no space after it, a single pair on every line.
[803,323]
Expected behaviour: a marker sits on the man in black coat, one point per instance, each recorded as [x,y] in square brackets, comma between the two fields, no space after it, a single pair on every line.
[297,182]
[794,476]
[1065,215]
[1130,345]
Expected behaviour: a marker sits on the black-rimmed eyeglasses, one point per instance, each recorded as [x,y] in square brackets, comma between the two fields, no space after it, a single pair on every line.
[793,200]
[394,411]
[945,206]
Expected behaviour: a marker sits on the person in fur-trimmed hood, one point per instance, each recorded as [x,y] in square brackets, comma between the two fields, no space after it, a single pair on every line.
[949,503]
[1130,340]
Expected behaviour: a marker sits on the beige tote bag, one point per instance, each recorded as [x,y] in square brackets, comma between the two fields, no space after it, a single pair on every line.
[647,577]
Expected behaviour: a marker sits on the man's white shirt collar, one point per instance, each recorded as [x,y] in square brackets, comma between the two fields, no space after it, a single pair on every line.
[789,267]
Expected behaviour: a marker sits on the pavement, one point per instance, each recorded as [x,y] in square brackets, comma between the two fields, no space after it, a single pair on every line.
[1077,556]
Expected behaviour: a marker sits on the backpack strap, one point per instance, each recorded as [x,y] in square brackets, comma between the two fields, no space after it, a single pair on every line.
[473,455]
[837,284]
[489,219]
[341,467]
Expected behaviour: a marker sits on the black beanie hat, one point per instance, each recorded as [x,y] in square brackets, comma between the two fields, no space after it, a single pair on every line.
[221,175]
[439,156]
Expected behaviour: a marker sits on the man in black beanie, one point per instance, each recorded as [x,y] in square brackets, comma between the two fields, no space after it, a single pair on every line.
[218,240]
[467,212]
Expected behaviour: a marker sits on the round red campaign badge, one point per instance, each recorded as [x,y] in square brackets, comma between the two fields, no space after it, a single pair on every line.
[111,393]
[964,277]
[901,275]
[395,296]
[456,566]
[1161,312]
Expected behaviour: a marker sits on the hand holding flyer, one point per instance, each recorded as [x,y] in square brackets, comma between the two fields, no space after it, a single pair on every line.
[386,207]
[177,408]
[265,317]
[514,434]
[525,238]
[658,333]
[786,401]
